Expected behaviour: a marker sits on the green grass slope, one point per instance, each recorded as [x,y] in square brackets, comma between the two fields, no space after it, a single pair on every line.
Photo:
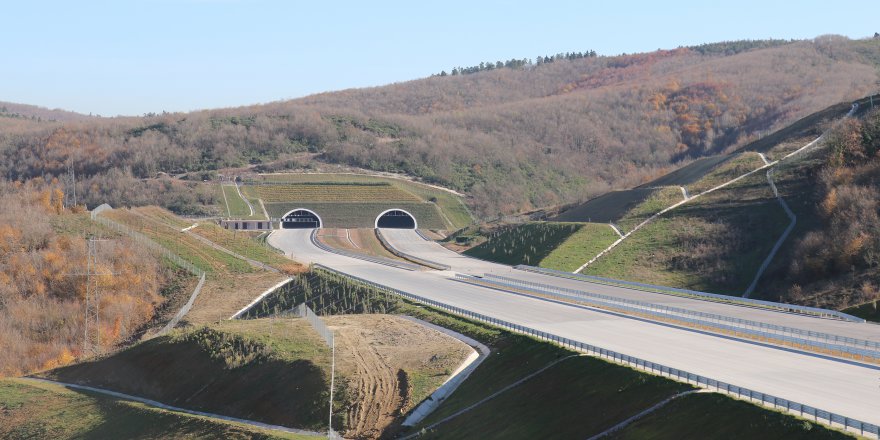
[580,247]
[715,243]
[606,208]
[31,410]
[273,372]
[576,387]
[713,416]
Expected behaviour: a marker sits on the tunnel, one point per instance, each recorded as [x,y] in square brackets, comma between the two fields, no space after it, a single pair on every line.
[396,218]
[301,218]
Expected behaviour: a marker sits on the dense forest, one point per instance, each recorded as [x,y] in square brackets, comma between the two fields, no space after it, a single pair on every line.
[511,138]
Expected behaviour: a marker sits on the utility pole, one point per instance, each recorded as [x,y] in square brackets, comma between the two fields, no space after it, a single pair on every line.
[92,324]
[330,433]
[91,327]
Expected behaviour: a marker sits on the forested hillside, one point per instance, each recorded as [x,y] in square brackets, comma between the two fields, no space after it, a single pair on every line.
[513,138]
[43,280]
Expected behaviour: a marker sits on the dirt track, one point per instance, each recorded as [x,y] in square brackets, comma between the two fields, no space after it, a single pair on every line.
[377,355]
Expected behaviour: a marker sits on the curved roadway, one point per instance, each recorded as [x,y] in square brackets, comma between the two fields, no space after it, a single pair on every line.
[831,385]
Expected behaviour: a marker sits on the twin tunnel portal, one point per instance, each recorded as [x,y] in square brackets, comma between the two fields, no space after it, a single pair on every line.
[302,218]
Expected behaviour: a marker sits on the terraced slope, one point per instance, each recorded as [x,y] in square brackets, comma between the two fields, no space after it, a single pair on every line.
[360,188]
[361,215]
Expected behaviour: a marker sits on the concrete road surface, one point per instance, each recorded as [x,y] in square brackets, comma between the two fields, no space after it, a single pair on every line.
[407,240]
[831,385]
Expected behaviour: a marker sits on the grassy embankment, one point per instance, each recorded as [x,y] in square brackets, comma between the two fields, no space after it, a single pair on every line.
[244,369]
[39,410]
[714,243]
[236,207]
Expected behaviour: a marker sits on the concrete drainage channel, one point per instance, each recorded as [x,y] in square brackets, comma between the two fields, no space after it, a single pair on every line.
[455,379]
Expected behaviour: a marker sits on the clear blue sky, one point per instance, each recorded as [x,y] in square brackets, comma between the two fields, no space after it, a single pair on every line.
[137,56]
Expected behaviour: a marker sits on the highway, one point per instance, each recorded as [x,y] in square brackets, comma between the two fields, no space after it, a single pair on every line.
[831,385]
[410,242]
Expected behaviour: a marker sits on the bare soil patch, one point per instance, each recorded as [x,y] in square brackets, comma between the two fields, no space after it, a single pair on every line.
[390,365]
[224,295]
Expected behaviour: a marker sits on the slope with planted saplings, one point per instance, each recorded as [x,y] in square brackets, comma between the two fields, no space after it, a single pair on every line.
[544,244]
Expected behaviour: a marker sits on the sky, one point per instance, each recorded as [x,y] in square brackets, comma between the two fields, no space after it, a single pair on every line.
[131,57]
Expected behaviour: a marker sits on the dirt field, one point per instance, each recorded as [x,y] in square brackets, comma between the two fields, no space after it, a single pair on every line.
[224,295]
[390,365]
[362,240]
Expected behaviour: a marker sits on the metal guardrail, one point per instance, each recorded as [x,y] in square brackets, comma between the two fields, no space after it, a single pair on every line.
[736,300]
[378,260]
[410,257]
[146,241]
[794,336]
[828,417]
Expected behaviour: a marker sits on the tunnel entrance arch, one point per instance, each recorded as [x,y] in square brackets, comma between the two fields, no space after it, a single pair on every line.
[396,218]
[301,218]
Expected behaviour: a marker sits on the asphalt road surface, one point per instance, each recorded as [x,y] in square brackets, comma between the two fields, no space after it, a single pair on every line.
[832,385]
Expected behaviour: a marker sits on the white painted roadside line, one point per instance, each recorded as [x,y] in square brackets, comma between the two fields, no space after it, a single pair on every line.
[638,416]
[616,229]
[189,227]
[174,408]
[259,298]
[455,379]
